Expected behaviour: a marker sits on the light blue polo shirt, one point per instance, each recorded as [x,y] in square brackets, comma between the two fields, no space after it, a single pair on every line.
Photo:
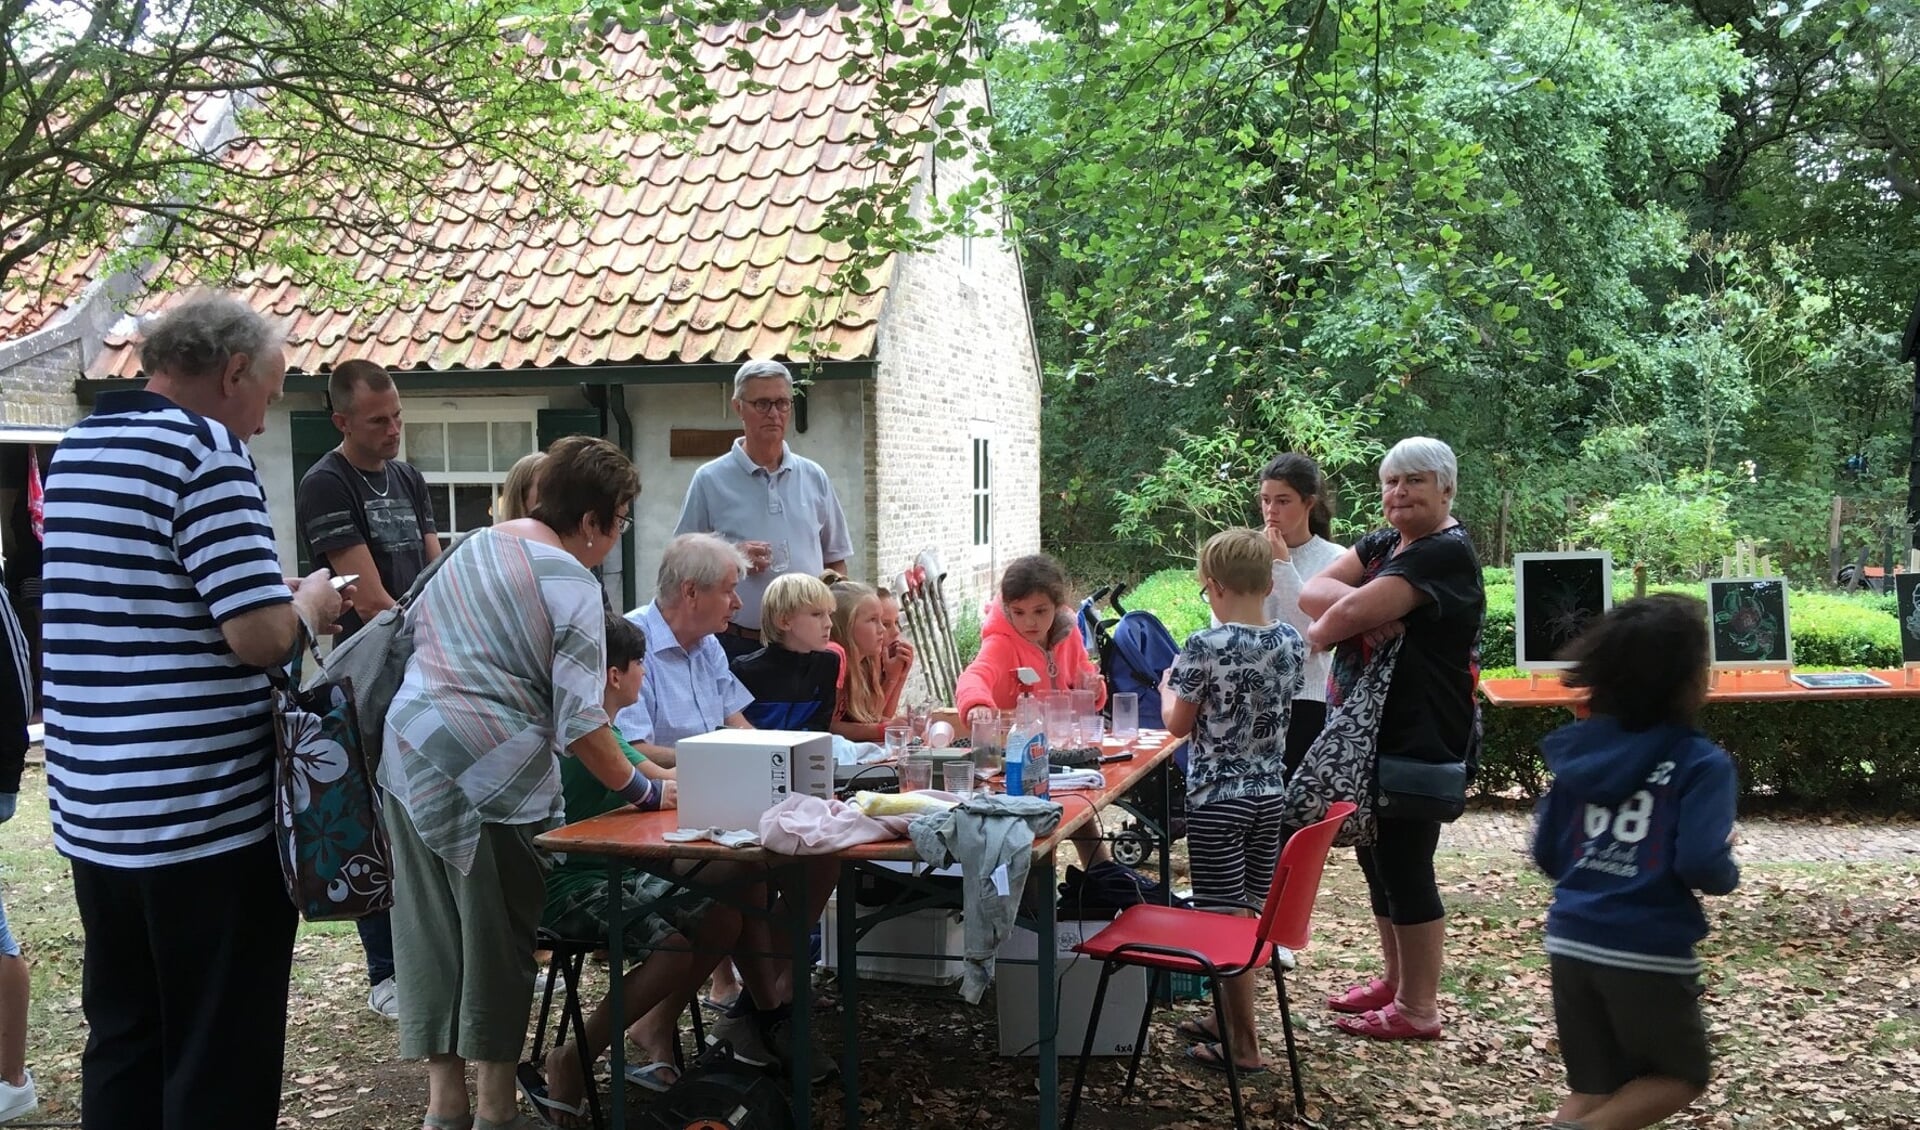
[684,692]
[739,501]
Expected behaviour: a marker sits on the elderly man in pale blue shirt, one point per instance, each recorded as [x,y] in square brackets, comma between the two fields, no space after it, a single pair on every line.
[777,507]
[689,688]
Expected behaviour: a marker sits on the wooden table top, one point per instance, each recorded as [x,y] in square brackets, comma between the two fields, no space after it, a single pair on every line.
[1729,686]
[628,834]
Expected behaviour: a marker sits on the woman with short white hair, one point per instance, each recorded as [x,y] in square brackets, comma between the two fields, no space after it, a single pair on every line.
[1418,579]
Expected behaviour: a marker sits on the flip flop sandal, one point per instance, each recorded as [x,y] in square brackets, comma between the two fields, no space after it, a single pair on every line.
[1195,1028]
[658,1076]
[1215,1059]
[1375,994]
[535,1089]
[1385,1024]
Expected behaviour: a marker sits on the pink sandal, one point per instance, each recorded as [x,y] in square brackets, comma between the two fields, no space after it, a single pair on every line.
[1363,998]
[1385,1024]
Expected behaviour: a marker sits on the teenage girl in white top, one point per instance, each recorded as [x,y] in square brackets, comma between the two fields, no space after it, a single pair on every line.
[1297,522]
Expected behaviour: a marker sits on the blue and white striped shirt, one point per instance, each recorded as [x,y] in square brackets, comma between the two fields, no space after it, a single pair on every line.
[159,749]
[685,692]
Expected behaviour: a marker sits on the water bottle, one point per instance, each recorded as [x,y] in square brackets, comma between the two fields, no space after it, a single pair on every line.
[1026,761]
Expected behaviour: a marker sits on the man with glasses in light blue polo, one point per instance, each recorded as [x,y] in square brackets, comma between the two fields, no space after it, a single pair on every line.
[777,507]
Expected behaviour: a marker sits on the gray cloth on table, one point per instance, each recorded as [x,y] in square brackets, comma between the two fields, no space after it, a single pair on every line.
[982,834]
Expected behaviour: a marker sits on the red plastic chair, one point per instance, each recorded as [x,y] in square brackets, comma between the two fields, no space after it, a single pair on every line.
[1168,939]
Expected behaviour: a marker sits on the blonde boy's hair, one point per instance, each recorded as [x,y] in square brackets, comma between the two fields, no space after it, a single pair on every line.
[1240,559]
[789,595]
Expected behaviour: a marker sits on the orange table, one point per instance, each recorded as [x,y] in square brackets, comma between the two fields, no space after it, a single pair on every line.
[626,836]
[1729,686]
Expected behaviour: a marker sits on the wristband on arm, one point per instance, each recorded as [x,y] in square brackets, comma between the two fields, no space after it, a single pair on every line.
[641,792]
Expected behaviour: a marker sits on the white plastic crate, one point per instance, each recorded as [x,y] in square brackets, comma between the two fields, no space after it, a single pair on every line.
[935,933]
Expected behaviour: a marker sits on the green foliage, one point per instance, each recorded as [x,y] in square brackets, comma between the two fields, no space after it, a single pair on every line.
[1806,753]
[966,634]
[1174,596]
[1677,532]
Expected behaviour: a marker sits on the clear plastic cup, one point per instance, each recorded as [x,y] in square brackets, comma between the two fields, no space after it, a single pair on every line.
[990,741]
[916,773]
[1126,716]
[1093,728]
[898,737]
[957,777]
[1056,707]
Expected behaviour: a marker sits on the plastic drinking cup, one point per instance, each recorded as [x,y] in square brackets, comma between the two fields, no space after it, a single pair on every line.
[898,734]
[957,777]
[1126,716]
[916,773]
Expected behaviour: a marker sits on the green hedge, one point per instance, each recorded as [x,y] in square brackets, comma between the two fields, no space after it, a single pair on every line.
[1811,753]
[1827,629]
[1834,754]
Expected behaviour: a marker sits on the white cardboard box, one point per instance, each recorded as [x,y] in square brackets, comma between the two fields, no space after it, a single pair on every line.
[1077,978]
[936,934]
[729,778]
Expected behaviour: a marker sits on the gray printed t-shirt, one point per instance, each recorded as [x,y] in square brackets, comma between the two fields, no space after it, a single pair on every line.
[338,508]
[793,509]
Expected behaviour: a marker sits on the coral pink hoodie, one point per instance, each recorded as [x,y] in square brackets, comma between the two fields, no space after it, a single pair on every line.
[990,679]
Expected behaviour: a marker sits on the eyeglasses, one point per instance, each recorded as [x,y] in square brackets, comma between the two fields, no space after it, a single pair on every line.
[626,522]
[781,406]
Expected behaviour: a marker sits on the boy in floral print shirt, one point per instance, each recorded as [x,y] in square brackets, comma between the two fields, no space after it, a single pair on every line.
[1232,689]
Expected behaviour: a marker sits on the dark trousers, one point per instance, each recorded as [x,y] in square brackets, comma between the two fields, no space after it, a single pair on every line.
[376,938]
[185,992]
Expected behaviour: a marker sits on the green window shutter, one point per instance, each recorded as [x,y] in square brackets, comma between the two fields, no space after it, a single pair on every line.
[558,423]
[313,435]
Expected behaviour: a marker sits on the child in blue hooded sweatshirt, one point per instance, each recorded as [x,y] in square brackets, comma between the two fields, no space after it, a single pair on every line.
[1640,816]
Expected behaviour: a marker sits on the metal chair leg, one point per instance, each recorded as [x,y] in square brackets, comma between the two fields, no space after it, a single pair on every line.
[575,971]
[1086,1045]
[1286,1026]
[1226,1050]
[554,958]
[1140,1038]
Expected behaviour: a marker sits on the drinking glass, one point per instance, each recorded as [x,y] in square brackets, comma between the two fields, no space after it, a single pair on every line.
[1126,716]
[957,777]
[916,773]
[990,740]
[1083,707]
[918,717]
[1056,707]
[898,735]
[1093,728]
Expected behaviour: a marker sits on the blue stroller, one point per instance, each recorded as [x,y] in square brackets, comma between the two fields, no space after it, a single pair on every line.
[1134,650]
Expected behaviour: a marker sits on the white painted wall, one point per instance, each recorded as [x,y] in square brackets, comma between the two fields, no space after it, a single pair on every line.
[835,439]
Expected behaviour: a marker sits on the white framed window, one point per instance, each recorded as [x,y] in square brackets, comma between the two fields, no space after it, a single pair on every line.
[982,485]
[464,450]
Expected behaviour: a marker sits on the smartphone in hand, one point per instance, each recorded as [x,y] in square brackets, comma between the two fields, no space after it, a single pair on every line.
[343,581]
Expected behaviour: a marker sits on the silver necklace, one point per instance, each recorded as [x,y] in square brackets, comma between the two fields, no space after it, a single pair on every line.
[386,476]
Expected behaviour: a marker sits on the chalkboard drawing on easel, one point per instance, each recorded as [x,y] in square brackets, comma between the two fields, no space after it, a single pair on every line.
[1748,616]
[1556,595]
[1906,587]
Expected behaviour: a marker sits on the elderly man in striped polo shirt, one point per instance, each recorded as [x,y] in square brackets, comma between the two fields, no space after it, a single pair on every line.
[164,604]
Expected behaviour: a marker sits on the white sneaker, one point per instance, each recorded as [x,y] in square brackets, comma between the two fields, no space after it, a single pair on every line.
[16,1101]
[385,999]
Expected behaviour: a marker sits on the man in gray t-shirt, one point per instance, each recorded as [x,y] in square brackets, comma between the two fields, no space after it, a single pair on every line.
[776,506]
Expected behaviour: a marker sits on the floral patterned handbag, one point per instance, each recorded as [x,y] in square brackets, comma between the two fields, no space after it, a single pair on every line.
[333,848]
[1340,764]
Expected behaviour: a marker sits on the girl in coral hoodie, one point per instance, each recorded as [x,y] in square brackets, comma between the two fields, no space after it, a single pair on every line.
[1029,643]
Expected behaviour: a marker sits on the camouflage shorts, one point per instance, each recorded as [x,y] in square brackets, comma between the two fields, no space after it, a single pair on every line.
[583,915]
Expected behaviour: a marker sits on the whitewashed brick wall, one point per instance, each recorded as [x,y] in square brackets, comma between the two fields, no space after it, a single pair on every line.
[36,387]
[956,355]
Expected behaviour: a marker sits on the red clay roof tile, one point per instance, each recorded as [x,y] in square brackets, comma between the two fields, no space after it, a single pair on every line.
[705,256]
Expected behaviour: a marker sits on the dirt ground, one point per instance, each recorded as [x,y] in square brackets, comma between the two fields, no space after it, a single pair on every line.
[1811,998]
